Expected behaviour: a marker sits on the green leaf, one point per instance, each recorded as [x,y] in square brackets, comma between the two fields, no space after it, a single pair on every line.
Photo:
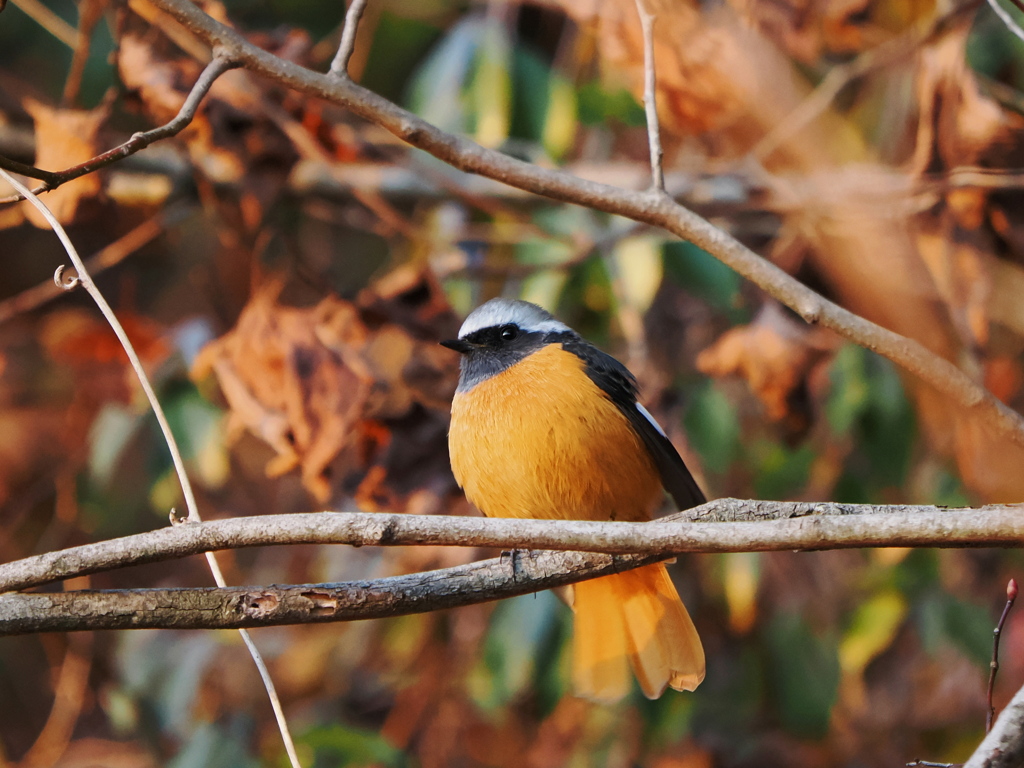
[211,746]
[867,402]
[112,430]
[531,82]
[713,428]
[969,627]
[490,91]
[848,396]
[702,275]
[518,636]
[872,630]
[782,472]
[339,745]
[942,619]
[197,425]
[598,106]
[436,90]
[560,118]
[805,674]
[544,287]
[638,265]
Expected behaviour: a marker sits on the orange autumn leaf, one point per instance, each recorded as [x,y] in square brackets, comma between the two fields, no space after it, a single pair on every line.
[64,138]
[773,354]
[329,383]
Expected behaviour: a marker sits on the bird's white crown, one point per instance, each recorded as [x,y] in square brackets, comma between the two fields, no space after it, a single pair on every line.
[529,317]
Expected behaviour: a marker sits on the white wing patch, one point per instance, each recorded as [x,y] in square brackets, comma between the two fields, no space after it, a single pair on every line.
[647,415]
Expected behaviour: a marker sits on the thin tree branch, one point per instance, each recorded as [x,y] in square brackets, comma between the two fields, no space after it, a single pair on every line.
[104,259]
[651,98]
[339,67]
[723,525]
[1011,596]
[646,207]
[48,20]
[53,179]
[237,607]
[85,280]
[1007,19]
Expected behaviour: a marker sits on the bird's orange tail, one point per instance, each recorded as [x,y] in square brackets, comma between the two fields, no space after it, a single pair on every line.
[636,615]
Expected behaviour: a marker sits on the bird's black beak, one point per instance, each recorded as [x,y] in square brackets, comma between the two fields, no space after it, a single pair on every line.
[460,346]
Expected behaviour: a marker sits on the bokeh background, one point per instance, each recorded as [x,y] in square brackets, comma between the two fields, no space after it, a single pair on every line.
[286,270]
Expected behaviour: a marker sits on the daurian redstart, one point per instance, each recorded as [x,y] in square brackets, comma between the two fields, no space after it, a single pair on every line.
[544,424]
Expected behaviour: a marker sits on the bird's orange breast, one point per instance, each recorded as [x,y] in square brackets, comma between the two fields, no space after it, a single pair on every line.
[540,439]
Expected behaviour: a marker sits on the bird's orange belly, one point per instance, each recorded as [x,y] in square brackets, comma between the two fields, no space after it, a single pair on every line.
[542,440]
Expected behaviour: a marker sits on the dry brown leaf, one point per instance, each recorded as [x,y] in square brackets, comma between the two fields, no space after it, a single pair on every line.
[285,387]
[159,84]
[808,29]
[90,752]
[83,339]
[31,441]
[714,73]
[774,354]
[65,138]
[559,735]
[961,275]
[322,383]
[694,757]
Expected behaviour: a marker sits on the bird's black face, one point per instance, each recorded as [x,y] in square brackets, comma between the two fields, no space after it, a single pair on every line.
[489,351]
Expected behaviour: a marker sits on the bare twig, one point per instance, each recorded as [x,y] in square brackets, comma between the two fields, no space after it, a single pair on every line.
[310,603]
[651,97]
[100,261]
[49,21]
[1011,595]
[339,66]
[1007,19]
[70,692]
[53,179]
[646,207]
[724,525]
[85,280]
[89,14]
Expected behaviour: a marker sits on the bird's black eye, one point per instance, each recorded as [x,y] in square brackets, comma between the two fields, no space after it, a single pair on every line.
[509,332]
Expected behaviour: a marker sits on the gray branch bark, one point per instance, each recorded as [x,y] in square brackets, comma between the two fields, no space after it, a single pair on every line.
[246,607]
[723,525]
[1003,747]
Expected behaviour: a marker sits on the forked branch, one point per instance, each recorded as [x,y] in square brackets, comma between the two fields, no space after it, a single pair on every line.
[53,179]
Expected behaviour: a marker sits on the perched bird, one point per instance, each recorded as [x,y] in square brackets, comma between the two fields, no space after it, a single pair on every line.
[546,425]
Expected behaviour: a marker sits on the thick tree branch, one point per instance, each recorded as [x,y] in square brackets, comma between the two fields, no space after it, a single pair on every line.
[647,207]
[1003,747]
[243,607]
[726,525]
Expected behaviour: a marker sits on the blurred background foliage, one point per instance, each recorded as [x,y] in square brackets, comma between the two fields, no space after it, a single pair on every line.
[286,271]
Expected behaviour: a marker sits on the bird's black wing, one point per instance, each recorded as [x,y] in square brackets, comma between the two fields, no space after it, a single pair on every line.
[615,380]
